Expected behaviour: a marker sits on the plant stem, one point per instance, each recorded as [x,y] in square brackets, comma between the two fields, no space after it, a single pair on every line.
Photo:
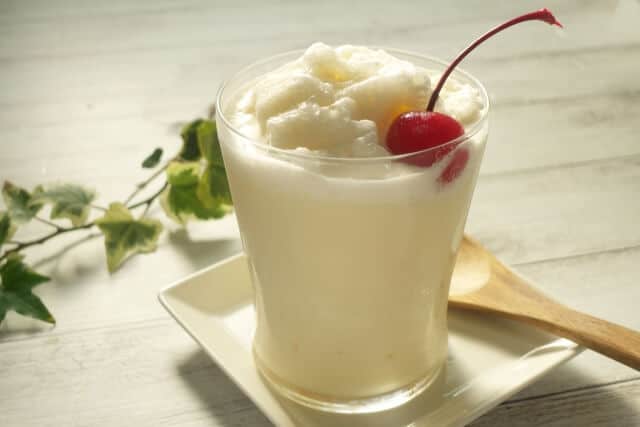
[61,230]
[100,208]
[21,245]
[142,185]
[44,221]
[149,199]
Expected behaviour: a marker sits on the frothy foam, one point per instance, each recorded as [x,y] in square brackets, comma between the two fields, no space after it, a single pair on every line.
[341,101]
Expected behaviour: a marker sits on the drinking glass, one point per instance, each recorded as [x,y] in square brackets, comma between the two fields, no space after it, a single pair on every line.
[350,258]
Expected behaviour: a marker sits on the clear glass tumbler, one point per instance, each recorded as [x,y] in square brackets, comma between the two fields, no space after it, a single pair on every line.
[350,258]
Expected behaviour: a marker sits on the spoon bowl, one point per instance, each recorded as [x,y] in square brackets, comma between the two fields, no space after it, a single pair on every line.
[483,284]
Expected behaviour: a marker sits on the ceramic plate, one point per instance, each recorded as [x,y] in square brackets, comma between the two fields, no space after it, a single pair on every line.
[489,359]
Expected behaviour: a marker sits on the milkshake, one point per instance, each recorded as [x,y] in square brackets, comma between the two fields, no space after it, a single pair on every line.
[350,247]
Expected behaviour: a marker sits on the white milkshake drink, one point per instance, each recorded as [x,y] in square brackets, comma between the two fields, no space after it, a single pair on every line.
[350,247]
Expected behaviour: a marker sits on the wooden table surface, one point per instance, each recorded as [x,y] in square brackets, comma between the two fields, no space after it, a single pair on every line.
[87,89]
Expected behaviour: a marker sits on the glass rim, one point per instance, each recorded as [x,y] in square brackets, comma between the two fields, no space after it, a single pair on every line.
[260,145]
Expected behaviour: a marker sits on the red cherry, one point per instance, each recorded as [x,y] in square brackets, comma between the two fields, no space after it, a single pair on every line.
[420,130]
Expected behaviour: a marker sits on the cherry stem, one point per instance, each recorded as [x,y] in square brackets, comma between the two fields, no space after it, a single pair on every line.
[539,15]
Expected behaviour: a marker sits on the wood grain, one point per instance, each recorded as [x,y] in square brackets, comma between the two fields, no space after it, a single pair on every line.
[89,87]
[611,405]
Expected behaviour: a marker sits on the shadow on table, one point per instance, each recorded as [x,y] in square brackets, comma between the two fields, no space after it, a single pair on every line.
[228,405]
[582,405]
[90,264]
[15,326]
[202,253]
[220,397]
[225,402]
[63,250]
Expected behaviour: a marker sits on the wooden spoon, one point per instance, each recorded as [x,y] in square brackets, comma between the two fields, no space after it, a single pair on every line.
[490,287]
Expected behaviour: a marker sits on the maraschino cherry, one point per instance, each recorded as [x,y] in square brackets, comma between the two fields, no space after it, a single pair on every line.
[419,130]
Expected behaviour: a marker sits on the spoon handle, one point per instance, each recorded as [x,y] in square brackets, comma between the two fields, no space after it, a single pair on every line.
[505,293]
[614,341]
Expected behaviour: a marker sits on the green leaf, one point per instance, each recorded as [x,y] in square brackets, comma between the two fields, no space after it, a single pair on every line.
[69,201]
[19,203]
[208,142]
[6,227]
[17,281]
[213,188]
[180,201]
[125,235]
[183,174]
[153,159]
[190,150]
[5,223]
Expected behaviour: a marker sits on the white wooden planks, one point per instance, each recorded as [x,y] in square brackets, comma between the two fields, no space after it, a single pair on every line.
[87,89]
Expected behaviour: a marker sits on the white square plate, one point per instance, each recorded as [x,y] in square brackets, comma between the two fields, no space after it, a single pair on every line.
[489,359]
